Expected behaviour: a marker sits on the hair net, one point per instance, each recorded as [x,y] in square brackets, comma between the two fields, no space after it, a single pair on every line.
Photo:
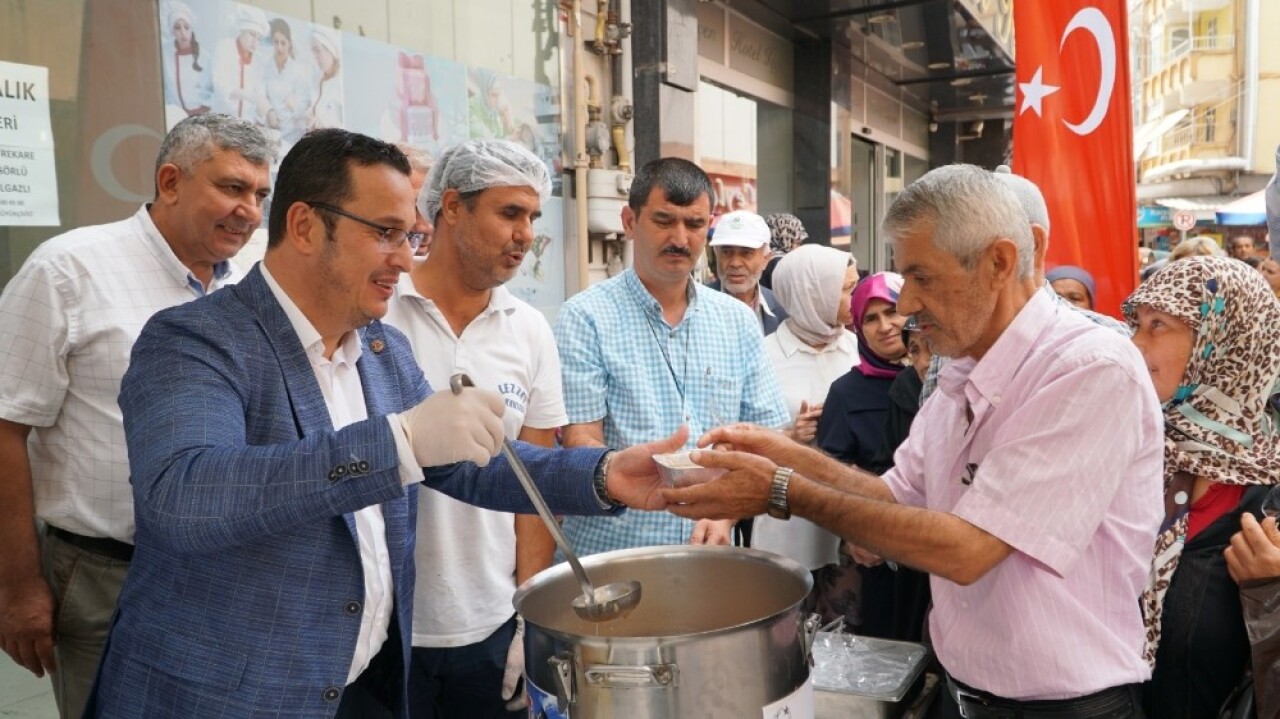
[480,164]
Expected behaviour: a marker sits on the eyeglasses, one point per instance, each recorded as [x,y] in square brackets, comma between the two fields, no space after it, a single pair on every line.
[389,238]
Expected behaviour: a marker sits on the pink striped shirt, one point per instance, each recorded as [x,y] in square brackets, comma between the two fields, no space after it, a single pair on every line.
[1062,461]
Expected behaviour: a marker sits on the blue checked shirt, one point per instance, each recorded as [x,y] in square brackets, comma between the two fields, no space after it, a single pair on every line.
[622,363]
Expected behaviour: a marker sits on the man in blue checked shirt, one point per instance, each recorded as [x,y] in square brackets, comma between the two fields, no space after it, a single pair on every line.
[650,350]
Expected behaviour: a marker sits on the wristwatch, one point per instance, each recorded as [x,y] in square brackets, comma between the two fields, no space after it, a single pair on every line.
[779,507]
[599,482]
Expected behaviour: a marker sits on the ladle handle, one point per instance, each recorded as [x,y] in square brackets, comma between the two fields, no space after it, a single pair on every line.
[456,383]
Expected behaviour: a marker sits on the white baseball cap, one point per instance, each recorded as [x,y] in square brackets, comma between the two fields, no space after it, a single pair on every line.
[740,228]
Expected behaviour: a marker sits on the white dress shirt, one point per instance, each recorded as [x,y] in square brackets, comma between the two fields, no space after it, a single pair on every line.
[69,319]
[344,397]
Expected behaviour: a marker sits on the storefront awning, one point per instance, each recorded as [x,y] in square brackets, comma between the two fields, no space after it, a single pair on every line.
[1205,208]
[1248,210]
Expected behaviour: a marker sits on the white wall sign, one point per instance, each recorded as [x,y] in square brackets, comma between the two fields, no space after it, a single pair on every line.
[28,181]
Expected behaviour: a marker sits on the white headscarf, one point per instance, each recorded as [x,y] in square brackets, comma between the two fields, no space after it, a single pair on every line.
[807,281]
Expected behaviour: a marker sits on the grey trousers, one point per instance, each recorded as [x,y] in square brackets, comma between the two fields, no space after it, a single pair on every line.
[85,589]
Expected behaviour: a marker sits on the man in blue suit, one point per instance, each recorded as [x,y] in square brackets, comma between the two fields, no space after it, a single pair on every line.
[276,434]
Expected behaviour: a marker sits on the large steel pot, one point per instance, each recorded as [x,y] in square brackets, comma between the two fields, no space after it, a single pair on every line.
[718,633]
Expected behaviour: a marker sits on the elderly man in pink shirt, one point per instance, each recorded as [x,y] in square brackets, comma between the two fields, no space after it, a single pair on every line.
[1029,488]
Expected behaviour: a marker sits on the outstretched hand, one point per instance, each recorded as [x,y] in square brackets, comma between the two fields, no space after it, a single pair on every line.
[755,439]
[633,475]
[742,491]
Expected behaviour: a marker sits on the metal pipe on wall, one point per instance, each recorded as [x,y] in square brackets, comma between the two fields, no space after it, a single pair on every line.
[580,159]
[625,89]
[1249,116]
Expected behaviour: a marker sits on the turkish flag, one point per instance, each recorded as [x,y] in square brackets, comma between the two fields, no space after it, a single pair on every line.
[1073,136]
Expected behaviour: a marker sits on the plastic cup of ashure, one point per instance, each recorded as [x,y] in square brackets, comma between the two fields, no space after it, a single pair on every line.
[678,470]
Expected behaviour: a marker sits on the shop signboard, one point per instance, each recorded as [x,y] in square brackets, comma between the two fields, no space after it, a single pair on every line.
[759,53]
[28,181]
[1153,216]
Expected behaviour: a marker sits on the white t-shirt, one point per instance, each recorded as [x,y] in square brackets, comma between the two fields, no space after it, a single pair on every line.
[466,556]
[805,374]
[69,319]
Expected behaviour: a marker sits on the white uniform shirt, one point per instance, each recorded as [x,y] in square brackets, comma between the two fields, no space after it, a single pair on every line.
[466,556]
[344,397]
[69,319]
[184,85]
[805,374]
[235,84]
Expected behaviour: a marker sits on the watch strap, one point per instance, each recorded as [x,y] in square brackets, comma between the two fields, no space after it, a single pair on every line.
[779,507]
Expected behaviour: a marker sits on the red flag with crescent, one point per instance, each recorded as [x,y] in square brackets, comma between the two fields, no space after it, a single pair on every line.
[1073,136]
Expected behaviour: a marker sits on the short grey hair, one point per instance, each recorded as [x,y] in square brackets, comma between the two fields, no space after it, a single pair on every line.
[196,138]
[419,160]
[969,209]
[1028,194]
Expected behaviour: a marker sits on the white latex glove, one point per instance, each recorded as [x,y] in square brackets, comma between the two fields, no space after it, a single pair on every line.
[445,427]
[515,670]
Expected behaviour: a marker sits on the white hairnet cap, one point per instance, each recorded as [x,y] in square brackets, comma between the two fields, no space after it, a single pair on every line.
[480,164]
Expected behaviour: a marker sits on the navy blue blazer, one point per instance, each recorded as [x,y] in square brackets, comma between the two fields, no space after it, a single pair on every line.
[246,590]
[768,324]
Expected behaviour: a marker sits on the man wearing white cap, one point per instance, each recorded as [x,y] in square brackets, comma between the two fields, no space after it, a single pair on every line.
[740,241]
[483,196]
[234,73]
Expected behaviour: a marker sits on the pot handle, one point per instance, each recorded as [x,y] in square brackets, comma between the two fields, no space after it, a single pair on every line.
[613,676]
[562,666]
[809,629]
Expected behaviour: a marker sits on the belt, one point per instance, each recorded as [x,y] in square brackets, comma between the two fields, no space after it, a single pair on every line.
[1113,703]
[102,546]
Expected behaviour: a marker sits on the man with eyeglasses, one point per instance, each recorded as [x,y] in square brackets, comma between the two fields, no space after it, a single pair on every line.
[68,318]
[277,432]
[483,198]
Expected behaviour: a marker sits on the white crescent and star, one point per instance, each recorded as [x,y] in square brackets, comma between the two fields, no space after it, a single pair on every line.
[1093,21]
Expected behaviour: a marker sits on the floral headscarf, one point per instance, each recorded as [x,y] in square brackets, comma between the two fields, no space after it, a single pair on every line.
[880,286]
[786,232]
[1216,425]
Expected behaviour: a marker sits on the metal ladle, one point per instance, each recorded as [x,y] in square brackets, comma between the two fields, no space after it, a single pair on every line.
[595,604]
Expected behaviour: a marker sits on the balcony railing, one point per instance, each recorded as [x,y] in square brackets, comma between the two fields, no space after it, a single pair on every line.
[1200,43]
[1192,133]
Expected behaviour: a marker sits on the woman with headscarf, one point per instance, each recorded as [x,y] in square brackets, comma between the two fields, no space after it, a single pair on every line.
[786,233]
[1073,284]
[1205,326]
[810,349]
[852,424]
[852,428]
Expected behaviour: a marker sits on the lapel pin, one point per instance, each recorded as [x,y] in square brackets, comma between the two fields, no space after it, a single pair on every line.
[377,346]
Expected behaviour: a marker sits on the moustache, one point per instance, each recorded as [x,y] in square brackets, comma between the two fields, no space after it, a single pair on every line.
[239,228]
[677,251]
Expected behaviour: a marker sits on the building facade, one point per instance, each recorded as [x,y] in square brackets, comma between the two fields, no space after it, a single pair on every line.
[1205,81]
[823,110]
